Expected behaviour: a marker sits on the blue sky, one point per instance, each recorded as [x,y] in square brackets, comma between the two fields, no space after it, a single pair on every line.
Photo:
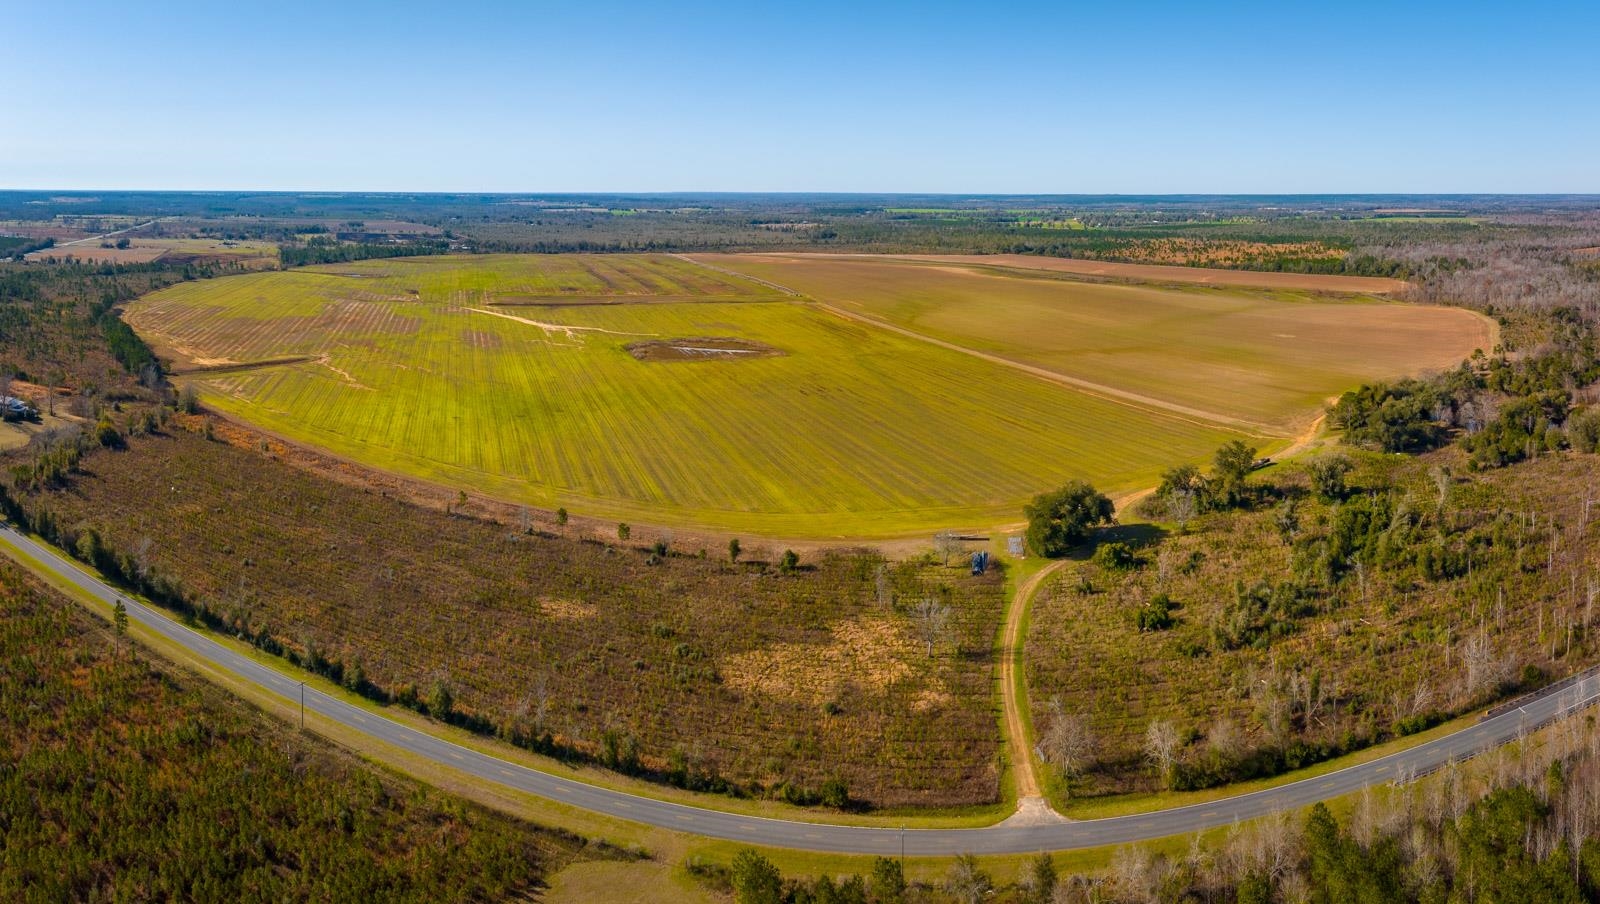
[1022,97]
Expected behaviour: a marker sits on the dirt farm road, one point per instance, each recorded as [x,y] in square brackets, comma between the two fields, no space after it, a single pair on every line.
[1011,837]
[1021,757]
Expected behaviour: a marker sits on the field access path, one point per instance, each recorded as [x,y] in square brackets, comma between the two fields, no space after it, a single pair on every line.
[1010,837]
[1032,807]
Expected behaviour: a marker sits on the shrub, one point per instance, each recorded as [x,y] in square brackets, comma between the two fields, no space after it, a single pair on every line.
[834,793]
[1583,430]
[1116,556]
[1060,520]
[1156,615]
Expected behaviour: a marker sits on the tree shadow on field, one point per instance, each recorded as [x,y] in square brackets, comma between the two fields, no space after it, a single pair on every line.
[1137,536]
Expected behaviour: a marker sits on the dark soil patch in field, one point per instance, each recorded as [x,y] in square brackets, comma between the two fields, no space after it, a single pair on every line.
[214,369]
[701,348]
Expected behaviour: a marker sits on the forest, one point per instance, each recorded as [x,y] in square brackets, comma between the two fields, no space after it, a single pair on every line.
[123,778]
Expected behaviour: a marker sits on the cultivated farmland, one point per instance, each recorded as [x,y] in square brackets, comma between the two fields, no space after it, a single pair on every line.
[1267,357]
[521,377]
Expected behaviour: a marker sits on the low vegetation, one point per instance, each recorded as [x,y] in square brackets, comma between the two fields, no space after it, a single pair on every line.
[1299,627]
[124,779]
[820,680]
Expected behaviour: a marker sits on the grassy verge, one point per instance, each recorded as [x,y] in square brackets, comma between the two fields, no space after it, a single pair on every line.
[1126,804]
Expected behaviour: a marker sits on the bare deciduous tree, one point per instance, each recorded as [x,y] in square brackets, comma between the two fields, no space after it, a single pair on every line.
[1068,743]
[1224,740]
[537,703]
[946,543]
[932,619]
[1484,670]
[141,557]
[966,882]
[1181,507]
[1161,743]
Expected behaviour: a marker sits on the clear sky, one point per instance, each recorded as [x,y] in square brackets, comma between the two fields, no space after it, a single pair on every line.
[1020,97]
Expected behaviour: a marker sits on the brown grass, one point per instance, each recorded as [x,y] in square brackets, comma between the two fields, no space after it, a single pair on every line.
[576,638]
[869,655]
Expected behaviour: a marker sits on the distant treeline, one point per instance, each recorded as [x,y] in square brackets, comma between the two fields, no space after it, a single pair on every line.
[321,251]
[18,245]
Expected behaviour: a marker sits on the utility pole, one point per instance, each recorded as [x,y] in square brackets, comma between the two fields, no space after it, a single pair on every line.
[902,850]
[302,706]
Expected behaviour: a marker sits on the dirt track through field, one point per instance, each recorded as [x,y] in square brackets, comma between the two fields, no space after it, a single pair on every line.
[1099,390]
[1010,660]
[1109,393]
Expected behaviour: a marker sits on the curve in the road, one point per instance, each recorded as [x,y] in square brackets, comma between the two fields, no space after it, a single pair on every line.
[996,839]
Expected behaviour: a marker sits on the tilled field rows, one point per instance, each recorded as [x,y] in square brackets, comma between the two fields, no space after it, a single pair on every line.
[850,430]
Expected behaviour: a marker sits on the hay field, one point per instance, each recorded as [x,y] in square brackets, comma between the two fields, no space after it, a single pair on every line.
[143,250]
[512,376]
[1267,357]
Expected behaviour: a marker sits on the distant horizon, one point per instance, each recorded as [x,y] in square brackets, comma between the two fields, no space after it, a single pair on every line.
[757,193]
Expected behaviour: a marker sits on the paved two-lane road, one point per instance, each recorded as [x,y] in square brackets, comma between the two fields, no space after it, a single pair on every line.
[996,839]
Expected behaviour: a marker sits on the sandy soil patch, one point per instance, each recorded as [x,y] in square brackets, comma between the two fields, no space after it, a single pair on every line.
[567,610]
[870,655]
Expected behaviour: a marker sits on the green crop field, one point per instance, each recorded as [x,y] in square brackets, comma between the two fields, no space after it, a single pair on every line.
[1268,357]
[512,376]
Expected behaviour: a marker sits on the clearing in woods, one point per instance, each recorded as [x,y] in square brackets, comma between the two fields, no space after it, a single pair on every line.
[619,386]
